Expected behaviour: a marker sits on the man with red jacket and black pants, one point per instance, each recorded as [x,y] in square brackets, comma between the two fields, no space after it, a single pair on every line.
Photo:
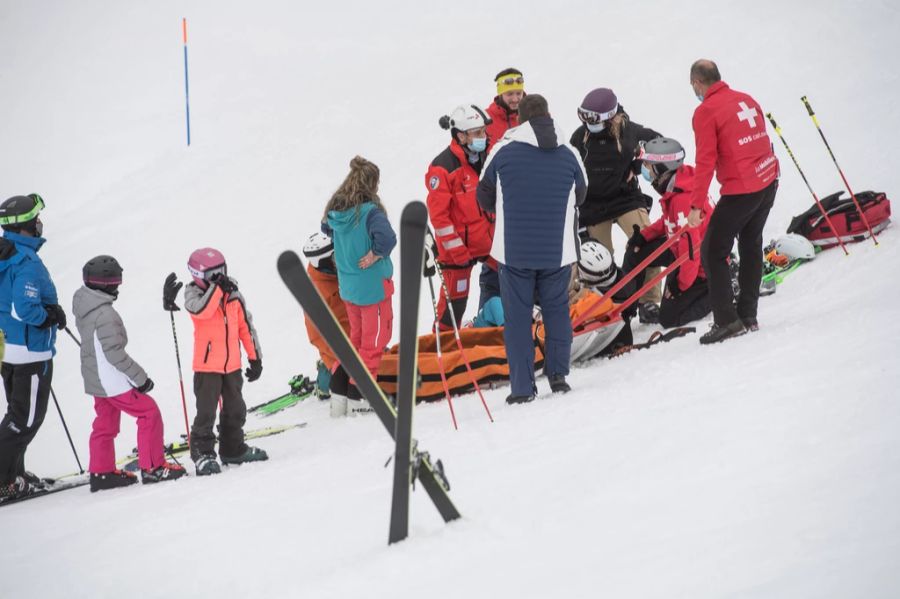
[463,231]
[730,133]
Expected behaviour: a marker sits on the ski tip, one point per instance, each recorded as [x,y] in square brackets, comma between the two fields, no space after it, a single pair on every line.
[287,258]
[414,212]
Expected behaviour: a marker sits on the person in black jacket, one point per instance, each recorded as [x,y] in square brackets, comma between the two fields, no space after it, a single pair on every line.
[608,142]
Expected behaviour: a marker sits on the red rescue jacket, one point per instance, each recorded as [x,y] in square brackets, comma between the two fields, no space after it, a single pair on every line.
[676,205]
[463,231]
[501,120]
[731,137]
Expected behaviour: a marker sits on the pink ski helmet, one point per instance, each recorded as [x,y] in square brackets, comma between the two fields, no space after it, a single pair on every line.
[204,264]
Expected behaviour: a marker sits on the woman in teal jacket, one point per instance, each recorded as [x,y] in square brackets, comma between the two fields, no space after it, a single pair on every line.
[363,241]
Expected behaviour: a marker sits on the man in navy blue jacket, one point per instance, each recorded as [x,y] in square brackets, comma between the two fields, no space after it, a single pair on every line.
[29,316]
[534,181]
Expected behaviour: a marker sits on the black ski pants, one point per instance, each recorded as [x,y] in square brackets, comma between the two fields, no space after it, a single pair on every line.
[743,217]
[208,388]
[27,389]
[674,310]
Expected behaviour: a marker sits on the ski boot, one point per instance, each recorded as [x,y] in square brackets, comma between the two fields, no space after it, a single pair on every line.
[558,383]
[167,471]
[323,381]
[517,399]
[111,480]
[206,464]
[356,404]
[648,313]
[719,333]
[18,489]
[251,454]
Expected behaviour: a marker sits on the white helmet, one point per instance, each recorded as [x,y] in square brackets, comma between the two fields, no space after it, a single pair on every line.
[596,266]
[318,249]
[464,118]
[795,247]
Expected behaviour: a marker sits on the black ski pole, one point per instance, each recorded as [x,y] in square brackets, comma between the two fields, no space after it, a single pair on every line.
[66,428]
[180,379]
[72,335]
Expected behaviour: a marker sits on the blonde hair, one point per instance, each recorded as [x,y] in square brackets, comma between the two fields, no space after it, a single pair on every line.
[360,186]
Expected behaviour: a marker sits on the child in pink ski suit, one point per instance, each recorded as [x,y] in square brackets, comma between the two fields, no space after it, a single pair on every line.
[116,381]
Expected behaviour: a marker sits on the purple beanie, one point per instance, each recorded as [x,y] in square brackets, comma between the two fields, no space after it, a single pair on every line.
[601,100]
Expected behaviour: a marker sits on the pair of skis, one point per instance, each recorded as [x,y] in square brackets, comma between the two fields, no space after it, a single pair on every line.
[410,463]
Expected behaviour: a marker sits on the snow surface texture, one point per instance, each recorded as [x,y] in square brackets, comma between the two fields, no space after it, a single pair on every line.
[764,467]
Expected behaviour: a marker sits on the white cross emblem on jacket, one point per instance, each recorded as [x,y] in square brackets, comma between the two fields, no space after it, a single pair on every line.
[747,114]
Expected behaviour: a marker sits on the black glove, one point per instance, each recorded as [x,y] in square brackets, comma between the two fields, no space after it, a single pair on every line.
[147,387]
[225,284]
[254,371]
[55,316]
[170,292]
[636,241]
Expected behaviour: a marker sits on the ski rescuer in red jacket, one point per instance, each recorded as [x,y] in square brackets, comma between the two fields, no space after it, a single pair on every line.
[686,296]
[730,133]
[463,231]
[503,112]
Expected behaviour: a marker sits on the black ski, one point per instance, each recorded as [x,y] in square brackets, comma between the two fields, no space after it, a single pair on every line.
[51,486]
[294,275]
[412,254]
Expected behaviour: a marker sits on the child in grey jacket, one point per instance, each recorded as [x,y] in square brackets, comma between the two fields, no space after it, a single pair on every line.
[116,381]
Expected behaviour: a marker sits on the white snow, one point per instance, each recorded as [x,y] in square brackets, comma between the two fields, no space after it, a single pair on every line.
[763,467]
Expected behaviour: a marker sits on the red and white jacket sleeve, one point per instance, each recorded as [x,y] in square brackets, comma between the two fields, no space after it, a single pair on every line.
[687,273]
[654,230]
[707,140]
[451,247]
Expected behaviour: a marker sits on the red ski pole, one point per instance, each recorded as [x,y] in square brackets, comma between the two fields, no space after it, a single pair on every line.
[589,311]
[808,186]
[847,185]
[440,355]
[459,344]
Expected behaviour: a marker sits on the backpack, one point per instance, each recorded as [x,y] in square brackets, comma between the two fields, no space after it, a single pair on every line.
[845,218]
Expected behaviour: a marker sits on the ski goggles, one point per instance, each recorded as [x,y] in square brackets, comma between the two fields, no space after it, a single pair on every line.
[509,83]
[30,215]
[592,117]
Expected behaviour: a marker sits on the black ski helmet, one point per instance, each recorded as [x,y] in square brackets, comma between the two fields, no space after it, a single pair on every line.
[20,213]
[102,273]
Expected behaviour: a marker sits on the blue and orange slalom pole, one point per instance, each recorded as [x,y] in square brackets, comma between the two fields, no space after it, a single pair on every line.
[187,103]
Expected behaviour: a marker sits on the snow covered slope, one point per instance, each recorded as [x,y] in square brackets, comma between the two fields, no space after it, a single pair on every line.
[764,467]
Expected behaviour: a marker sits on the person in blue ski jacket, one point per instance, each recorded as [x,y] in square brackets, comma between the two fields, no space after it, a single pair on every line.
[30,315]
[533,182]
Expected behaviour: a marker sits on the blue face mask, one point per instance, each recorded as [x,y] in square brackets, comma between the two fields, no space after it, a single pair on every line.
[645,173]
[596,128]
[699,98]
[479,144]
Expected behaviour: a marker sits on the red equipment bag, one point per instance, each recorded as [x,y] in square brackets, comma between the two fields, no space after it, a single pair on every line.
[843,214]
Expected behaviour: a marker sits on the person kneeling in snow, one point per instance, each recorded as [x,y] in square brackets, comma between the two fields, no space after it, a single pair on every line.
[116,381]
[319,252]
[221,325]
[686,296]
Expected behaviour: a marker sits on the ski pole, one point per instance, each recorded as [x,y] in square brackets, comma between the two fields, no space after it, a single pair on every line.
[72,335]
[440,357]
[66,428]
[847,185]
[180,379]
[808,186]
[459,344]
